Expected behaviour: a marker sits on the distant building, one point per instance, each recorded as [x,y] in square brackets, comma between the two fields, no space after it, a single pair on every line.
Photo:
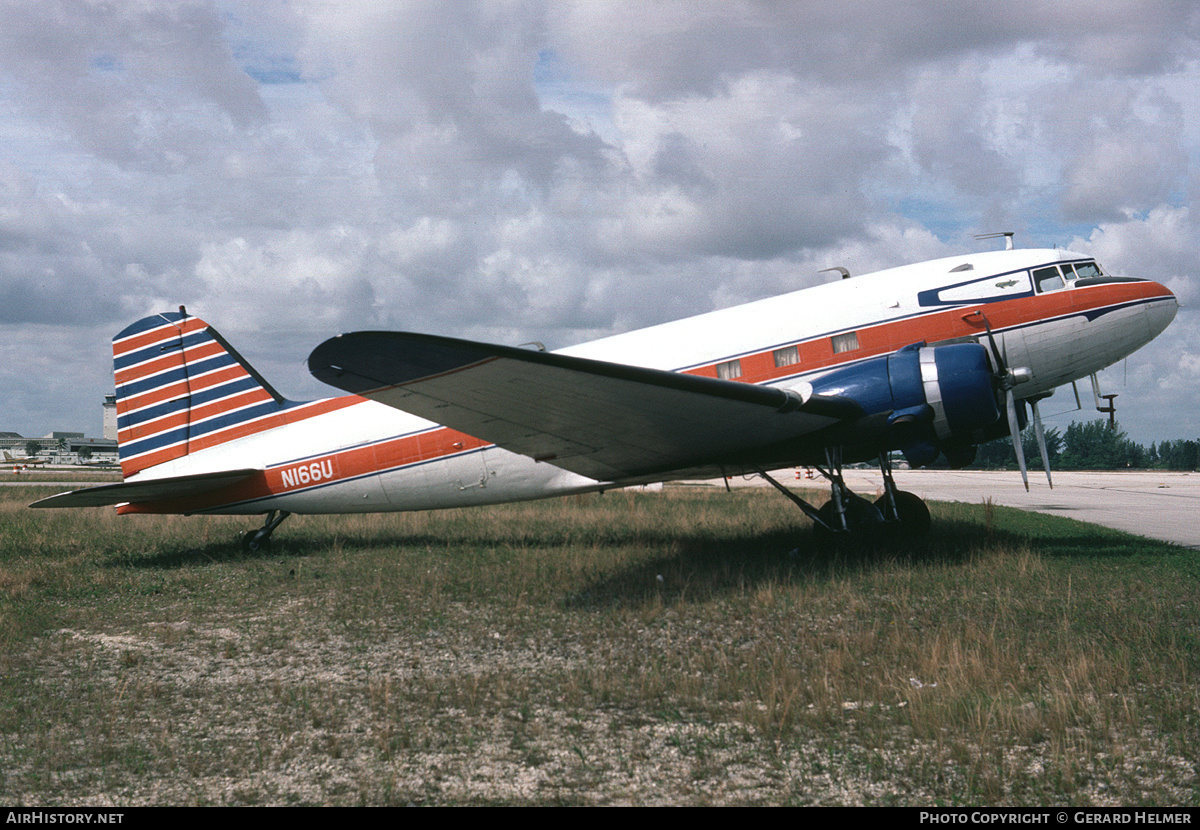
[67,446]
[62,447]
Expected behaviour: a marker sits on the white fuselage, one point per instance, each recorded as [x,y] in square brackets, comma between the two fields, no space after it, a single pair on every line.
[367,457]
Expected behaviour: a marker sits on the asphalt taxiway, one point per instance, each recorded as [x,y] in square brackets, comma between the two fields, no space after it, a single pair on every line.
[1159,505]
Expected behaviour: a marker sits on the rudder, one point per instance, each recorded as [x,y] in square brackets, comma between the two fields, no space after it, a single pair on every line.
[179,385]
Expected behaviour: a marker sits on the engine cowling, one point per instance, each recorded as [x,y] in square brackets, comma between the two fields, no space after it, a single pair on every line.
[936,397]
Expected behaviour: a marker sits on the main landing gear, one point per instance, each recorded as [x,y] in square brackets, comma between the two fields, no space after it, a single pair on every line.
[896,515]
[253,540]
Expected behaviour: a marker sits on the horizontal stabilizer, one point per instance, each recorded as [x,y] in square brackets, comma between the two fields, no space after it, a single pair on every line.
[607,421]
[146,491]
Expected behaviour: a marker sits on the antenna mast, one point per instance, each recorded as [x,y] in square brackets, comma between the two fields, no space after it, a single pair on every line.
[1008,238]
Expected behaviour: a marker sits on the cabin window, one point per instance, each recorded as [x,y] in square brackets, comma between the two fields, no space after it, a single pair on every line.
[729,370]
[1048,279]
[983,289]
[787,356]
[847,342]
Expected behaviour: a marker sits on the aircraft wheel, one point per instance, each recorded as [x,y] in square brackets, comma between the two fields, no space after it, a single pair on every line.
[252,540]
[914,515]
[862,518]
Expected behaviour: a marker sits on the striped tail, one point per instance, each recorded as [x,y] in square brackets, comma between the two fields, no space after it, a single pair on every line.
[180,388]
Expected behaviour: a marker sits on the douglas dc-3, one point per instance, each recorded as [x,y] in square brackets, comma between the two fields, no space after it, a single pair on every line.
[928,359]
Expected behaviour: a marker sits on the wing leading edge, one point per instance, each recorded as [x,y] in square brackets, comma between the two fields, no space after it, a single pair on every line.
[607,421]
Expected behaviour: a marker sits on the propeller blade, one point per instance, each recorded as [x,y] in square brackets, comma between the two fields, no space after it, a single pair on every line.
[1014,427]
[1004,380]
[1001,363]
[1041,441]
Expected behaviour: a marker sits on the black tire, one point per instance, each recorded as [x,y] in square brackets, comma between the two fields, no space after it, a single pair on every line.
[915,521]
[862,517]
[251,542]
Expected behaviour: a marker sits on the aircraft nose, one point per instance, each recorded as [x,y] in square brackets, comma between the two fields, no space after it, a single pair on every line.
[1161,310]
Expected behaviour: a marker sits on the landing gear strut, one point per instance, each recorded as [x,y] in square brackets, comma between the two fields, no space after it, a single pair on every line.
[897,514]
[253,540]
[908,513]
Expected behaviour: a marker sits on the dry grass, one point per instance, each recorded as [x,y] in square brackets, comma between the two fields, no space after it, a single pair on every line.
[685,647]
[39,475]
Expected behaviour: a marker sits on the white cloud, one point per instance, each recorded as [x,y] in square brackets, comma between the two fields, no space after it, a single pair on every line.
[1161,245]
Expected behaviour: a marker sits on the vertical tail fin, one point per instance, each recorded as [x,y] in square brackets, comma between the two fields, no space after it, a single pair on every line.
[179,385]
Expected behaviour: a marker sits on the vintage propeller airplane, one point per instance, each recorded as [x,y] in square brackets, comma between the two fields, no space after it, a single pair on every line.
[929,359]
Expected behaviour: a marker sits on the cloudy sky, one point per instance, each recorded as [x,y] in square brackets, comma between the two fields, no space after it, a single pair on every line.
[557,171]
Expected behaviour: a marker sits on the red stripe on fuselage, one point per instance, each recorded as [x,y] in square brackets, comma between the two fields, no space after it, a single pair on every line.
[323,470]
[942,323]
[268,422]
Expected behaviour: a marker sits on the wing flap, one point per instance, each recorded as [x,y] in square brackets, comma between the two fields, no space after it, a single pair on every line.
[607,421]
[147,491]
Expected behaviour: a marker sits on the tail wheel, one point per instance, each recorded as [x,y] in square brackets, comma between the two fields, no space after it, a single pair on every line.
[255,540]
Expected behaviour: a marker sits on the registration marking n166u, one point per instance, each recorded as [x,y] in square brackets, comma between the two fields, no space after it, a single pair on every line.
[310,473]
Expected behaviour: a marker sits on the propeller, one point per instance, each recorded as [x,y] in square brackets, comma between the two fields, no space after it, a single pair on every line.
[1041,439]
[1004,380]
[1014,428]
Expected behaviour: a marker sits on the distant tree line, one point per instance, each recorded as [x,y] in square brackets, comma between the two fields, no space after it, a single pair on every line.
[1093,445]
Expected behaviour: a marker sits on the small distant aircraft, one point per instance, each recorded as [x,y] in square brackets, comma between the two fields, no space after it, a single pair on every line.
[929,359]
[27,461]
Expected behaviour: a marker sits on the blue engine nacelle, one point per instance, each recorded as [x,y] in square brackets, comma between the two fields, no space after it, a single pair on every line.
[935,396]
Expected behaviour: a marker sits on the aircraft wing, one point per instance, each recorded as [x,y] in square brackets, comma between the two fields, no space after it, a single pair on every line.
[146,491]
[607,421]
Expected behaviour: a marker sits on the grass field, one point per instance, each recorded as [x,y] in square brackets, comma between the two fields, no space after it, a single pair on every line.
[83,475]
[683,647]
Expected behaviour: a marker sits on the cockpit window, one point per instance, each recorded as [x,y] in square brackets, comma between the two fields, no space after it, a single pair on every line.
[1048,278]
[1087,269]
